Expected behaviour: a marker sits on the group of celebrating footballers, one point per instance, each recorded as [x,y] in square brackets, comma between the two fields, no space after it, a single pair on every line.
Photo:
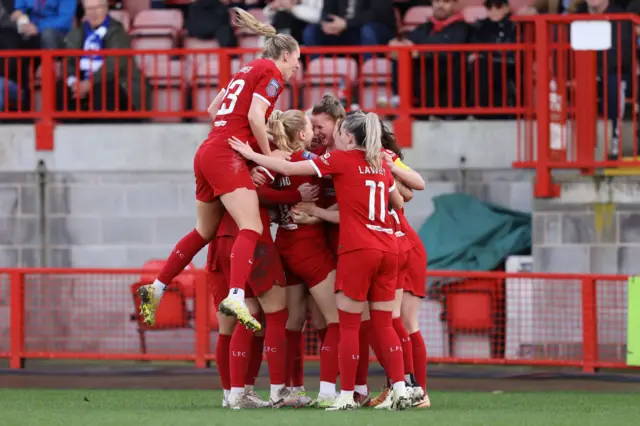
[335,184]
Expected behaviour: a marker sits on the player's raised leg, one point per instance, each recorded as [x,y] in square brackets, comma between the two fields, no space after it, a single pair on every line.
[208,218]
[242,204]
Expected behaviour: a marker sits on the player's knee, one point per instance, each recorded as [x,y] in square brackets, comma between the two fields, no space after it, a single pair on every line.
[297,317]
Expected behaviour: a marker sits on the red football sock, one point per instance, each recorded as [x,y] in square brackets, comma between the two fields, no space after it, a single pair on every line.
[255,361]
[182,254]
[419,359]
[329,354]
[390,345]
[276,346]
[405,340]
[294,358]
[222,360]
[322,333]
[241,344]
[242,258]
[363,363]
[374,342]
[349,349]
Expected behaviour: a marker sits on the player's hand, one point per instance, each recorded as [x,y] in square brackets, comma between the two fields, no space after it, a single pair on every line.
[243,148]
[258,177]
[301,218]
[306,207]
[387,158]
[309,192]
[283,155]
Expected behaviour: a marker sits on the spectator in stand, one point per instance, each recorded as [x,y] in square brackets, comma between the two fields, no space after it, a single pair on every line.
[352,23]
[95,83]
[44,23]
[293,16]
[9,40]
[497,28]
[446,26]
[210,20]
[618,71]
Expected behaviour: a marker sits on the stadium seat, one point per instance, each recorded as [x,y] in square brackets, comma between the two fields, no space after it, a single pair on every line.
[196,43]
[376,82]
[416,16]
[186,280]
[161,26]
[328,74]
[171,314]
[121,16]
[205,84]
[249,42]
[170,84]
[133,7]
[472,14]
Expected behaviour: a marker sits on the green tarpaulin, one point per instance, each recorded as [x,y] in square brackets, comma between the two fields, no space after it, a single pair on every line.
[465,234]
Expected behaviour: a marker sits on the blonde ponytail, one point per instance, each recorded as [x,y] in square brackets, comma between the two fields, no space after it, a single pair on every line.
[372,142]
[285,127]
[367,131]
[275,44]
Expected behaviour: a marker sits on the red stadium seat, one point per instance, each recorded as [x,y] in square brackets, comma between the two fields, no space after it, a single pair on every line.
[133,7]
[376,82]
[327,74]
[249,42]
[166,78]
[171,314]
[473,14]
[205,84]
[163,26]
[187,281]
[153,43]
[416,16]
[121,16]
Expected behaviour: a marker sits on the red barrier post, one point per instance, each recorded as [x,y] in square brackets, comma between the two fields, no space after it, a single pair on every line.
[403,124]
[45,126]
[544,187]
[589,325]
[16,349]
[202,309]
[586,109]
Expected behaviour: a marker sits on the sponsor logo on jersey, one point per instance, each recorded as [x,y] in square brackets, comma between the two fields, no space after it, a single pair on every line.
[273,87]
[324,158]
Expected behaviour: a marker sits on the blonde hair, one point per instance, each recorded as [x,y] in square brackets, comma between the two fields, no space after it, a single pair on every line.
[331,106]
[285,128]
[367,131]
[275,44]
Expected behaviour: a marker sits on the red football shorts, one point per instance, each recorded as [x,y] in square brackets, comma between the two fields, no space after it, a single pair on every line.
[308,259]
[333,237]
[367,275]
[218,286]
[416,276]
[267,268]
[219,170]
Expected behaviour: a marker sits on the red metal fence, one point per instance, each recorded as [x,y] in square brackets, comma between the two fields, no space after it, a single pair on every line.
[556,95]
[476,318]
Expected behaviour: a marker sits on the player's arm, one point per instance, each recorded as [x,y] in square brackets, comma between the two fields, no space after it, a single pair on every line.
[269,196]
[257,122]
[215,104]
[278,165]
[408,176]
[331,214]
[405,191]
[302,218]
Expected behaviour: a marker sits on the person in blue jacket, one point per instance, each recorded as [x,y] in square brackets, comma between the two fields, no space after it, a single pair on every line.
[44,22]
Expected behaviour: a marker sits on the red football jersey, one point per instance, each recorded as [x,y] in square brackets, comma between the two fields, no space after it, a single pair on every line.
[259,78]
[363,198]
[284,219]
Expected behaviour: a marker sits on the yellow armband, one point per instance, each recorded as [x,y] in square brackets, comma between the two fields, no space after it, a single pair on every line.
[400,164]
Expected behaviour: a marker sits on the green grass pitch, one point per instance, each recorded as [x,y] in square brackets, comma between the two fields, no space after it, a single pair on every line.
[23,407]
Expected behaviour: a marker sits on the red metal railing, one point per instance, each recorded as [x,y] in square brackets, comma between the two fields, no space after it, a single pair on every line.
[579,99]
[516,318]
[180,83]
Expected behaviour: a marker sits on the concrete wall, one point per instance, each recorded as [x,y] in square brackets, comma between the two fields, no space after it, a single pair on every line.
[116,196]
